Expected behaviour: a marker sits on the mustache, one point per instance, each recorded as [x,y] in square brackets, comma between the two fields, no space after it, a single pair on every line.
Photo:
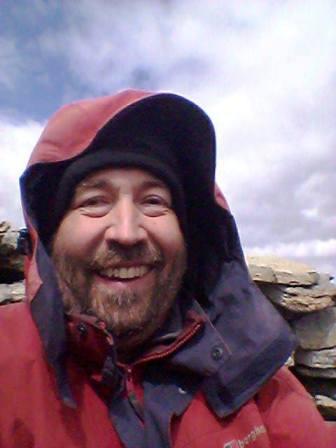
[117,254]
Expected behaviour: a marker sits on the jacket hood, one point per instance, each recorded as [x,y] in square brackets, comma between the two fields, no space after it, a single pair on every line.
[251,337]
[87,127]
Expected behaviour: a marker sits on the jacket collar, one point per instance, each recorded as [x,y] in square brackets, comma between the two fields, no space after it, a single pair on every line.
[242,342]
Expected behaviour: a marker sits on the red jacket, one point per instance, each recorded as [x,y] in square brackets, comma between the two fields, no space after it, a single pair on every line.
[214,385]
[281,415]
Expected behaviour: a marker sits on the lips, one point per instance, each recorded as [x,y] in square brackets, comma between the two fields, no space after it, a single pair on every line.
[125,272]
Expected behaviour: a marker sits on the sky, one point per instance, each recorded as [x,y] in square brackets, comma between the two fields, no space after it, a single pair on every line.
[264,71]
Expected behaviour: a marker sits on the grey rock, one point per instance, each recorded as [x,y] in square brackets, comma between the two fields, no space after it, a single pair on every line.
[326,405]
[10,259]
[319,386]
[316,373]
[4,226]
[325,279]
[323,390]
[290,361]
[271,269]
[301,299]
[320,359]
[261,273]
[317,331]
[13,292]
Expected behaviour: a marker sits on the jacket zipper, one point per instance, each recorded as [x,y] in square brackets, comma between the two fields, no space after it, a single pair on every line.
[130,389]
[131,394]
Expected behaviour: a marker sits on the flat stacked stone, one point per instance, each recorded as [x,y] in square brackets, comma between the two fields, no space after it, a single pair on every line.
[306,299]
[13,292]
[11,266]
[317,331]
[11,262]
[326,406]
[276,270]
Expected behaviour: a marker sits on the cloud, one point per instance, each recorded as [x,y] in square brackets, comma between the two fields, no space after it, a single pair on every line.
[265,73]
[323,252]
[16,143]
[316,247]
[13,64]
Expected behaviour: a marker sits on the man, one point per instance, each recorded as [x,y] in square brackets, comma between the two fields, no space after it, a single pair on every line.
[141,327]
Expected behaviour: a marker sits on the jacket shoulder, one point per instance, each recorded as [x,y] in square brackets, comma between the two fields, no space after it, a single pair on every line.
[18,333]
[14,312]
[290,415]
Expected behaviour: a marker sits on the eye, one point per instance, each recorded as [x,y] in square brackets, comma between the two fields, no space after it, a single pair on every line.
[155,200]
[155,204]
[94,201]
[94,206]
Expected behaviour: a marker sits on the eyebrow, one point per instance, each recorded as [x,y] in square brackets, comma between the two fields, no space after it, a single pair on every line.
[154,183]
[95,183]
[104,184]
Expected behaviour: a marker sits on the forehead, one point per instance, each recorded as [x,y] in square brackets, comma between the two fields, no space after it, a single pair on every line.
[115,176]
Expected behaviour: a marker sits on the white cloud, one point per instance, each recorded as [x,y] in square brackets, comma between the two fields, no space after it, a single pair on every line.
[318,253]
[11,56]
[16,142]
[314,248]
[265,73]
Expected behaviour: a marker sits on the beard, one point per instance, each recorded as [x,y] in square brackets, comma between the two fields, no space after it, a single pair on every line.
[132,315]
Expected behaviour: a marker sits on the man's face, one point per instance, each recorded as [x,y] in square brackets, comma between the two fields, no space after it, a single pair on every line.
[119,252]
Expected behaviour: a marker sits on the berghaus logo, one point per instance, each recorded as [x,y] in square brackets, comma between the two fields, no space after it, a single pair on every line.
[248,440]
[231,444]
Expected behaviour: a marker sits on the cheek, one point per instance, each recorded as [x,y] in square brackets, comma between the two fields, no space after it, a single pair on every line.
[76,236]
[168,235]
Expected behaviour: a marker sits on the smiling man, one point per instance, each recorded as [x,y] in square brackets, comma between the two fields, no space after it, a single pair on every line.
[141,327]
[127,262]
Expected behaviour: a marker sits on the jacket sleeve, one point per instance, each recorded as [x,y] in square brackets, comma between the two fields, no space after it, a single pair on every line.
[290,415]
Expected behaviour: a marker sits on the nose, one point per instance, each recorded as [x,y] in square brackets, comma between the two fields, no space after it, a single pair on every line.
[125,224]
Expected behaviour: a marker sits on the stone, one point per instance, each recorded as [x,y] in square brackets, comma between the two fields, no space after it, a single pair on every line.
[316,373]
[301,299]
[323,390]
[325,279]
[319,386]
[271,269]
[13,292]
[261,273]
[290,361]
[327,406]
[320,359]
[11,262]
[317,331]
[4,226]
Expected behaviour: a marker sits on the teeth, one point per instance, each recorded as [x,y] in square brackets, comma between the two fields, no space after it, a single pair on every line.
[125,273]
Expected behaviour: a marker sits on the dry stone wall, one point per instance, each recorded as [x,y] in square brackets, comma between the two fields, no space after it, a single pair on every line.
[303,296]
[11,266]
[307,300]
